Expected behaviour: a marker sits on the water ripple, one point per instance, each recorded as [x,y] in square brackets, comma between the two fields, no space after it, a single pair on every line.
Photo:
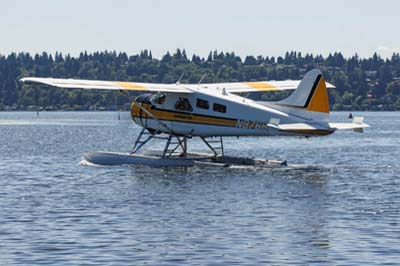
[336,204]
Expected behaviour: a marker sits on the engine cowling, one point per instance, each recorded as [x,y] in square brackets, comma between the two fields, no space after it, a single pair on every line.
[137,114]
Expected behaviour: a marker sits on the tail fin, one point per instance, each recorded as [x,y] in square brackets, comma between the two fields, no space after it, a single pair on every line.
[311,94]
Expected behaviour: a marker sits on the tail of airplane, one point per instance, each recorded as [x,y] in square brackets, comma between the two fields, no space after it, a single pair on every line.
[311,94]
[310,100]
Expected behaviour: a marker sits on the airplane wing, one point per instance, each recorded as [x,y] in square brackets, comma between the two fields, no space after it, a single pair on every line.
[236,87]
[239,87]
[104,85]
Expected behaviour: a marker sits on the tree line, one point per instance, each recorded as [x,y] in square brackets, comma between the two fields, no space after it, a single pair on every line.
[361,83]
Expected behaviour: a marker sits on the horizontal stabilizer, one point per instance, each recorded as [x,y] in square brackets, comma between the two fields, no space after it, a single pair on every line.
[357,125]
[303,129]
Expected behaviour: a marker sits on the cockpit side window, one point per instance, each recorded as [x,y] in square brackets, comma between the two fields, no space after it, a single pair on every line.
[183,104]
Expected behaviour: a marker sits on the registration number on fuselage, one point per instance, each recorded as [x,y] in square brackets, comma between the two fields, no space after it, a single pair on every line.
[249,124]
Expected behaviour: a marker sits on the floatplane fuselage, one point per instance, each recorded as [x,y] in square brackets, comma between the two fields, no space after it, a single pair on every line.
[208,114]
[216,112]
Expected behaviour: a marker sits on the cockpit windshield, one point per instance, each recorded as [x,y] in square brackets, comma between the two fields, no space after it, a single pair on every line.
[158,98]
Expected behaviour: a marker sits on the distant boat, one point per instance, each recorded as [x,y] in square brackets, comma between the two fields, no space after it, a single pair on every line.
[350,116]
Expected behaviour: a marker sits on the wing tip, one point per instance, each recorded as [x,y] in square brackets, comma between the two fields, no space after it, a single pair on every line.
[28,80]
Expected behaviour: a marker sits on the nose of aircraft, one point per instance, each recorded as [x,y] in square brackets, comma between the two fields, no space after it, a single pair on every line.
[136,113]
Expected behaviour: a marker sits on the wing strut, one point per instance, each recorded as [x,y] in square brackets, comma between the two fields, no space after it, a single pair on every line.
[205,74]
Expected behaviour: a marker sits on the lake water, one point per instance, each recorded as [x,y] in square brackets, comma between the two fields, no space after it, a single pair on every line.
[342,207]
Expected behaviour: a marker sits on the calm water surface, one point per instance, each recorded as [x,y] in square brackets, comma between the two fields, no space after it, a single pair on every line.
[341,207]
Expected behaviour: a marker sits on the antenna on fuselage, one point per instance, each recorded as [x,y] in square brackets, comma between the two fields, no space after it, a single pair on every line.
[180,78]
[205,74]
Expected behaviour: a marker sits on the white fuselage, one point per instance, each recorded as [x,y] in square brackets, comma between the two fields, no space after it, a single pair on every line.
[217,113]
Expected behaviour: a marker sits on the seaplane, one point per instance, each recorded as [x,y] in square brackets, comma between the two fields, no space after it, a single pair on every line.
[179,112]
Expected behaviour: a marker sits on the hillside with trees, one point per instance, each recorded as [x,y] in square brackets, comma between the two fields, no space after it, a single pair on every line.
[361,83]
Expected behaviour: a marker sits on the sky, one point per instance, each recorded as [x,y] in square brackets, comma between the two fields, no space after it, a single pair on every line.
[249,27]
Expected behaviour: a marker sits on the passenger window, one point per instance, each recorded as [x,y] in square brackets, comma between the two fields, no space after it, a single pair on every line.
[183,104]
[219,108]
[203,104]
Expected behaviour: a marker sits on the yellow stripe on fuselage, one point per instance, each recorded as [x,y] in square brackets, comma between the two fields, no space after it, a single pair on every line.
[181,117]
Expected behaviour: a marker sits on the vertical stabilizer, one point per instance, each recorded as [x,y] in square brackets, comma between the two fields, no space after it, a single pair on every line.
[311,94]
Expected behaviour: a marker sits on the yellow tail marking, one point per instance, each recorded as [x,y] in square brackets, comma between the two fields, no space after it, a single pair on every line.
[319,101]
